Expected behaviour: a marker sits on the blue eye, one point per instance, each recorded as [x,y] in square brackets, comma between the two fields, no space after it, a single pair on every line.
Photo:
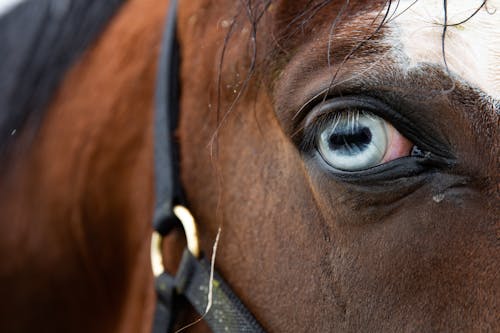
[354,140]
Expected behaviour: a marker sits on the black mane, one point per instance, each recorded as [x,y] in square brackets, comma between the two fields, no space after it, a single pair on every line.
[39,41]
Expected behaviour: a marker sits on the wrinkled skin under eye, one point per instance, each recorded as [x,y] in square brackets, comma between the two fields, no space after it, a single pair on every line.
[355,140]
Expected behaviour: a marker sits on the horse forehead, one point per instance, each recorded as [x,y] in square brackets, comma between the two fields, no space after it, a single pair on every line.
[472,48]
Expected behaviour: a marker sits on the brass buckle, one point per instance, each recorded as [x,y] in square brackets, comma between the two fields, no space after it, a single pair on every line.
[191,232]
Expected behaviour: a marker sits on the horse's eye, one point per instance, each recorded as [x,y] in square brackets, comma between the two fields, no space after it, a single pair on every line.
[354,140]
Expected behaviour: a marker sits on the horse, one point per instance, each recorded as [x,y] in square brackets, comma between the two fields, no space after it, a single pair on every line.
[340,159]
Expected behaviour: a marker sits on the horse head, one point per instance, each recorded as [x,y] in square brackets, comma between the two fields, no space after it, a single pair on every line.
[315,236]
[340,159]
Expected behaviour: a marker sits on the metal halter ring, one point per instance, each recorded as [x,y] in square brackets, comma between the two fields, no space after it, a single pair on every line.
[191,232]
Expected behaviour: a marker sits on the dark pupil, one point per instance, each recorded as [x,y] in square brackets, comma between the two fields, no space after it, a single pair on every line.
[350,140]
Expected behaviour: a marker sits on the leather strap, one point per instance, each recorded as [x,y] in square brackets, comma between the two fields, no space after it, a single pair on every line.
[227,313]
[167,180]
[165,311]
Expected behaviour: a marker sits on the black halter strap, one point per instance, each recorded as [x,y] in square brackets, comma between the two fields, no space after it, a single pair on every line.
[167,180]
[227,314]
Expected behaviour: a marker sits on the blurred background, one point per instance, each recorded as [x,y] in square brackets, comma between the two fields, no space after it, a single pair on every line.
[5,5]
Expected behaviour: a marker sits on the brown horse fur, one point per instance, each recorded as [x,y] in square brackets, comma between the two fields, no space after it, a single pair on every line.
[304,251]
[76,206]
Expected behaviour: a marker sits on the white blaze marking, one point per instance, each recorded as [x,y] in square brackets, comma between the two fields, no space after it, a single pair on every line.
[472,48]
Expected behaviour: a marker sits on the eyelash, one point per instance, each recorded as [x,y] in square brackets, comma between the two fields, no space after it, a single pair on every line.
[316,114]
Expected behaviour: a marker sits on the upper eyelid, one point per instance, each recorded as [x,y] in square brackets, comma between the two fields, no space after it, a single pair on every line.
[323,93]
[347,89]
[313,120]
[415,131]
[359,102]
